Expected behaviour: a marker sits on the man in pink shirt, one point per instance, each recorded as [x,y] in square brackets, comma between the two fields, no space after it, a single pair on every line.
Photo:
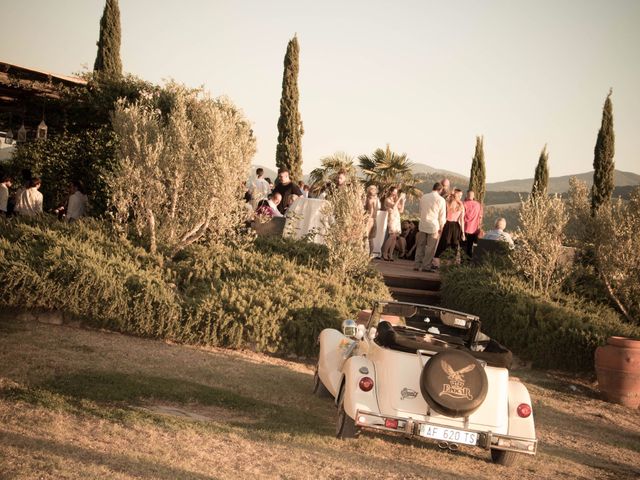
[472,221]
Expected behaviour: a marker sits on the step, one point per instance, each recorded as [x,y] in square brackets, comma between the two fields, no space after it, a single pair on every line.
[412,295]
[414,280]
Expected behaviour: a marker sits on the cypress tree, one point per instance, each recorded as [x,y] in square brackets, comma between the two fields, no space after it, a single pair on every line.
[541,178]
[108,57]
[290,131]
[477,176]
[603,166]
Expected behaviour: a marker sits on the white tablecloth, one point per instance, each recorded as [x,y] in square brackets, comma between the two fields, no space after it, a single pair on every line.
[304,217]
[381,232]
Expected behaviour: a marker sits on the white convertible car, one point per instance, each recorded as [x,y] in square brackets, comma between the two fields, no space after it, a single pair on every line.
[425,372]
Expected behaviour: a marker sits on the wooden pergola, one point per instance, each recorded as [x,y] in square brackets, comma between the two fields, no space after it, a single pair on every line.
[28,95]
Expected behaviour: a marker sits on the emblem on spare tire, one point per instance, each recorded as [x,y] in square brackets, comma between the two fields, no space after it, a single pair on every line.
[455,388]
[454,383]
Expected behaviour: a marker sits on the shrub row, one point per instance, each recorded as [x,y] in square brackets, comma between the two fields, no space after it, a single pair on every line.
[560,334]
[258,297]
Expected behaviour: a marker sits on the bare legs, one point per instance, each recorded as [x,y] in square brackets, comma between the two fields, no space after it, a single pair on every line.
[389,246]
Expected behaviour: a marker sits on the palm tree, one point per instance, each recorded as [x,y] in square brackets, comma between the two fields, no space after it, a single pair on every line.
[330,166]
[387,169]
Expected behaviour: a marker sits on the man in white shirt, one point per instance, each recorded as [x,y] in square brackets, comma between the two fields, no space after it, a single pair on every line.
[4,194]
[29,202]
[433,216]
[77,205]
[259,188]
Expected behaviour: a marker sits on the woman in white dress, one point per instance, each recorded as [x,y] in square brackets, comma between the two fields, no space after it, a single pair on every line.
[394,205]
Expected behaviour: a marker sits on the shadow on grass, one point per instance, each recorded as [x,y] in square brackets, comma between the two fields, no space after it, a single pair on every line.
[113,395]
[118,463]
[612,435]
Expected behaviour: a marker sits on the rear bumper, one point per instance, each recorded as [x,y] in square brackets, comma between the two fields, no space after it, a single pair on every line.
[409,427]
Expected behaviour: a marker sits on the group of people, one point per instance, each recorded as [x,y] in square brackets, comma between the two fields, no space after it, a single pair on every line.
[27,200]
[446,223]
[262,197]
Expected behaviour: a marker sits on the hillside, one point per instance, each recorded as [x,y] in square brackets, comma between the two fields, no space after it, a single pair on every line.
[561,184]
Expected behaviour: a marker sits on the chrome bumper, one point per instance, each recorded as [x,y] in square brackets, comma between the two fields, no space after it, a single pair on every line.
[409,427]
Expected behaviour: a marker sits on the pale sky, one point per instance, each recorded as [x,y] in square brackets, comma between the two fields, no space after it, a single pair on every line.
[425,77]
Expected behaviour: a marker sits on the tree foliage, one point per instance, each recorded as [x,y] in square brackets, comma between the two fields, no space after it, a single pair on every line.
[603,164]
[345,237]
[290,130]
[578,216]
[108,58]
[177,177]
[540,236]
[387,169]
[477,176]
[87,157]
[541,177]
[617,244]
[329,168]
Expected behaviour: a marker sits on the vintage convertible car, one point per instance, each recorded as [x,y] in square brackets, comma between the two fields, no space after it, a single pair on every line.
[425,372]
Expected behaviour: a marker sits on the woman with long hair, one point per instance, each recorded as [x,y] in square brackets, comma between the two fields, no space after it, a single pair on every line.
[453,231]
[394,205]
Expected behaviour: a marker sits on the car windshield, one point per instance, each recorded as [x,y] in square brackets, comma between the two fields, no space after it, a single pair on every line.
[423,317]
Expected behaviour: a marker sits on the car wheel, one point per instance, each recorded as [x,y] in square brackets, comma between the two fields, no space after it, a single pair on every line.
[318,387]
[346,426]
[504,457]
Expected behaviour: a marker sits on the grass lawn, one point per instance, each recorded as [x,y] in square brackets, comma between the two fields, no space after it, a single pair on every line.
[77,403]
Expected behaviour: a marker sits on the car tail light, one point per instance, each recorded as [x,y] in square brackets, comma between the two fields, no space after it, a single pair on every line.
[365,384]
[524,410]
[391,423]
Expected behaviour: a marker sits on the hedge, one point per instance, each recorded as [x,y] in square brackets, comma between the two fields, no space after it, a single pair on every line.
[259,297]
[561,334]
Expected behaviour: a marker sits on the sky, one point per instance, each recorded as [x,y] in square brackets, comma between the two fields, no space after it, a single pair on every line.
[425,77]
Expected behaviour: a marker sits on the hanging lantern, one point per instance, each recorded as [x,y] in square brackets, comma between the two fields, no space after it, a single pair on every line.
[8,138]
[41,132]
[22,134]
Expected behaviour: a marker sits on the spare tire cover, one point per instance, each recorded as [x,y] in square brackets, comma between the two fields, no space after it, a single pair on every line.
[454,383]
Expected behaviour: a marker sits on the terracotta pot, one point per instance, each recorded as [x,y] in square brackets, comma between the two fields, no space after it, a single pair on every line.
[618,371]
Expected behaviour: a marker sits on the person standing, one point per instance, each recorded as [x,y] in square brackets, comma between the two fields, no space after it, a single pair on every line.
[29,202]
[259,188]
[5,184]
[453,231]
[446,188]
[77,204]
[394,205]
[285,188]
[432,220]
[472,221]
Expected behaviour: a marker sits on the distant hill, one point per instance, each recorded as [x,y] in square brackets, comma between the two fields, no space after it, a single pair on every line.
[561,184]
[421,168]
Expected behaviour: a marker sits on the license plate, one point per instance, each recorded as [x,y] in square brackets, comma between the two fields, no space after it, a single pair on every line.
[449,434]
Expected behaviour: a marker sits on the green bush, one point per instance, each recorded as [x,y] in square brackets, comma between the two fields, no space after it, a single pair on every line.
[80,270]
[258,297]
[561,333]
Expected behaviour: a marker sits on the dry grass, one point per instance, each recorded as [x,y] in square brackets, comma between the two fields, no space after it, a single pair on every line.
[84,404]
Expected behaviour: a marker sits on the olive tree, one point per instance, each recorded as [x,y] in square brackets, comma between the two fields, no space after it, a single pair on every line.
[617,244]
[179,158]
[540,235]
